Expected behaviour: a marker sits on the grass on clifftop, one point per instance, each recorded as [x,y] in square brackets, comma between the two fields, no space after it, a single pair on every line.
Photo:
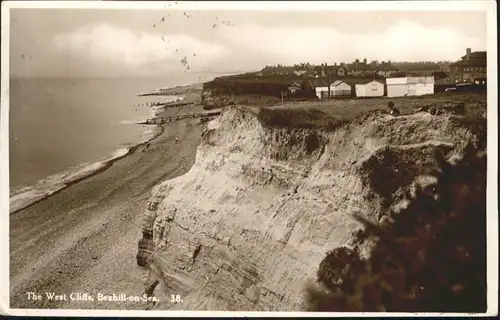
[475,104]
[331,114]
[298,118]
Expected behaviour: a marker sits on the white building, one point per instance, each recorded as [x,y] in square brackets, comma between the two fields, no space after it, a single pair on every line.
[300,72]
[409,86]
[340,89]
[322,92]
[370,89]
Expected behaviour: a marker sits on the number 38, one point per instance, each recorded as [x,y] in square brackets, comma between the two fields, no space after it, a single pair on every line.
[175,298]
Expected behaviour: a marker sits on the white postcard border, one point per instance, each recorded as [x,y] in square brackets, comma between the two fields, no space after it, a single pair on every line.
[492,100]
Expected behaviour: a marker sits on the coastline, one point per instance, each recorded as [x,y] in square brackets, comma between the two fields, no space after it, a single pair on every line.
[175,91]
[29,195]
[85,235]
[43,189]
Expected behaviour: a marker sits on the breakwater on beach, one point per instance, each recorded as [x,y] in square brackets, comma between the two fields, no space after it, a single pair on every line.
[167,119]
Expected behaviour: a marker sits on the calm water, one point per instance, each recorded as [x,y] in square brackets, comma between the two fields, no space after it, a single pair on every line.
[58,124]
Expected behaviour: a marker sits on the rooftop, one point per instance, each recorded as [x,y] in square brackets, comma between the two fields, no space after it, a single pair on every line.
[410,80]
[316,82]
[385,66]
[470,63]
[474,59]
[354,81]
[476,55]
[337,82]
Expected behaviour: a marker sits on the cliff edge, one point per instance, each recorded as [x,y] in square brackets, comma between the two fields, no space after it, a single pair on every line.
[249,224]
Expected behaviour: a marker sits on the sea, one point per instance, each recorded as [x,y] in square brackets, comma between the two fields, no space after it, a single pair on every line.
[62,129]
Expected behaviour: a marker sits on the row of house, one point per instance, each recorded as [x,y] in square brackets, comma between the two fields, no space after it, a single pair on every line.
[357,68]
[470,68]
[360,78]
[391,87]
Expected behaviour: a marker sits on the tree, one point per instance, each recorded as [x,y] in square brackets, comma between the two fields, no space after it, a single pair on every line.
[430,257]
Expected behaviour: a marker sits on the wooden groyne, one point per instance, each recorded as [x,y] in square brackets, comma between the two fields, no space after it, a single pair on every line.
[173,104]
[154,94]
[166,93]
[162,120]
[165,104]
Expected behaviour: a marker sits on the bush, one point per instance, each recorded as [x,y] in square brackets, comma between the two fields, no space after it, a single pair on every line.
[477,126]
[430,257]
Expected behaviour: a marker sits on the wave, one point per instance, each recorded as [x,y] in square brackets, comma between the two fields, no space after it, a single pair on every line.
[149,133]
[24,196]
[138,121]
[129,121]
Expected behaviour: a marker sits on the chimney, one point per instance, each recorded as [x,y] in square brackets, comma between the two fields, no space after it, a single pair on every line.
[468,51]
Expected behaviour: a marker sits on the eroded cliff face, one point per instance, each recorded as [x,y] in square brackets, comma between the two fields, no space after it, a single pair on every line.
[249,224]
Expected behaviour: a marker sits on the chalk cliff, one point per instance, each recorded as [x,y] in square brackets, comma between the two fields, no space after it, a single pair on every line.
[253,218]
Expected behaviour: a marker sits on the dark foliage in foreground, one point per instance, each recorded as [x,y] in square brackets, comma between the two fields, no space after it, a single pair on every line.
[430,257]
[476,125]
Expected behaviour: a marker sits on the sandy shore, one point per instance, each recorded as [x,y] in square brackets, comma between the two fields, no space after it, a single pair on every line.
[84,238]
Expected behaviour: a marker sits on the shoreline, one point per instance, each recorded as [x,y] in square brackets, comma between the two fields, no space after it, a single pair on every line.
[32,194]
[106,164]
[84,237]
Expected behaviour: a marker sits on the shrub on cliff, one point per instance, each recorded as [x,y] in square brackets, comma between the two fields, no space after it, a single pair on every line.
[430,257]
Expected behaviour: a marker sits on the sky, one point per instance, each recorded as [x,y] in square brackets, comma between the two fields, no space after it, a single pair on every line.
[143,43]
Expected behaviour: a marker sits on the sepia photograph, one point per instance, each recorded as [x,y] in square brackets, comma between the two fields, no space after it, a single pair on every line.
[256,158]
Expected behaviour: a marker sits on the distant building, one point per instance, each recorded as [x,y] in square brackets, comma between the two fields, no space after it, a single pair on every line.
[308,88]
[398,74]
[293,87]
[370,75]
[300,72]
[358,67]
[309,74]
[471,67]
[371,88]
[409,86]
[341,71]
[440,75]
[320,87]
[385,69]
[337,70]
[340,89]
[320,71]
